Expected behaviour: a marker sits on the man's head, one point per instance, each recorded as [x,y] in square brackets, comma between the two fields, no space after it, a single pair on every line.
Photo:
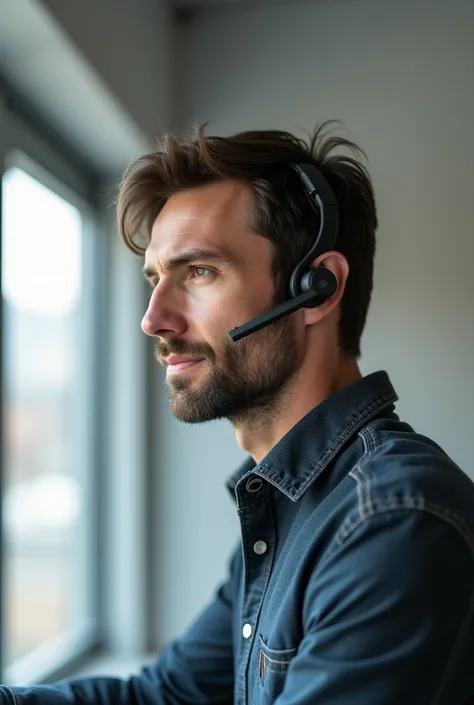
[238,198]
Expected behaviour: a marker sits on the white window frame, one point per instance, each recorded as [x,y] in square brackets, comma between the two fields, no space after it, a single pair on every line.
[25,146]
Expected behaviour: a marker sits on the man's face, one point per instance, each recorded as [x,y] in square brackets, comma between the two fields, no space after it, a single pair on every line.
[198,300]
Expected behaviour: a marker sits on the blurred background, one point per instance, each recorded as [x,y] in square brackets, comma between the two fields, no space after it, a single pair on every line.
[115,521]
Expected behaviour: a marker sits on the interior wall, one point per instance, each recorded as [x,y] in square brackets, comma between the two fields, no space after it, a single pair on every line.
[129,44]
[399,76]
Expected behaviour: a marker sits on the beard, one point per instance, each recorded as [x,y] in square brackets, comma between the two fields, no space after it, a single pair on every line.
[250,376]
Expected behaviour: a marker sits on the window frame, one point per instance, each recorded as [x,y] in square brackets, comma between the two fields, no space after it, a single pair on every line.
[27,143]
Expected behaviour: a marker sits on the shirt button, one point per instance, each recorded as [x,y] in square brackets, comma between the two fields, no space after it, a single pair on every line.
[254,484]
[247,631]
[260,547]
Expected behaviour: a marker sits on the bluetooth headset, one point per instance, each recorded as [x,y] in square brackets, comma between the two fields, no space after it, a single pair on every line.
[309,287]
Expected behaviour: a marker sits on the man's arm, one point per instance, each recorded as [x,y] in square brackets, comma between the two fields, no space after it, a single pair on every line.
[197,668]
[388,617]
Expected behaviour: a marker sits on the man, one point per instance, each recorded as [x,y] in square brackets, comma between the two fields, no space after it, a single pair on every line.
[353,583]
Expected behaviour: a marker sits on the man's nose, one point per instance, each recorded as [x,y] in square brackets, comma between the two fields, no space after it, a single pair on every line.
[148,326]
[162,315]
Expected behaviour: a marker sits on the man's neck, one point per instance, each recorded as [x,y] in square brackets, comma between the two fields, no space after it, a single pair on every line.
[262,431]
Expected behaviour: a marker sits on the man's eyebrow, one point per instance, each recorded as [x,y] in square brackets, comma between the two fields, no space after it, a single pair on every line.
[187,256]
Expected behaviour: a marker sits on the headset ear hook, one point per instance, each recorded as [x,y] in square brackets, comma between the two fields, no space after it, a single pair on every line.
[308,287]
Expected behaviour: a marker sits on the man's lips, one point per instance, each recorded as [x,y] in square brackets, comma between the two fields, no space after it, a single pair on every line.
[177,364]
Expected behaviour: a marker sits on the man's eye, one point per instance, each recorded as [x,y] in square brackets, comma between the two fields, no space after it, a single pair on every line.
[202,272]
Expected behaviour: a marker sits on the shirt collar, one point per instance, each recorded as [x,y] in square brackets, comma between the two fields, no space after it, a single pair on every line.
[295,462]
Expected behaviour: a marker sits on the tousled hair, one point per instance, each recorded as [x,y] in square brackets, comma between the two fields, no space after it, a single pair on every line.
[282,212]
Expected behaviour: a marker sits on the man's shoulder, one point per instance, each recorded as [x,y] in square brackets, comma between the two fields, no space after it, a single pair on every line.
[391,448]
[402,469]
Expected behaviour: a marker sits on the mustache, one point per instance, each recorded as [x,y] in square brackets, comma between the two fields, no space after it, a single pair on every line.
[182,347]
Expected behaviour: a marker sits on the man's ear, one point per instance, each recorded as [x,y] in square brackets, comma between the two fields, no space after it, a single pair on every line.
[339,266]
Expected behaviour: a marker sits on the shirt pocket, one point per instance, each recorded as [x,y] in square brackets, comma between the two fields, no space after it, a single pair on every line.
[273,665]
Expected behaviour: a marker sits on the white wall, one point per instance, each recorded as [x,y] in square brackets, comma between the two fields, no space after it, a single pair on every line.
[129,45]
[399,75]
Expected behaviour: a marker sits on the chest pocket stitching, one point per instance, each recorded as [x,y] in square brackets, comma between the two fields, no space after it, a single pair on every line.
[272,660]
[267,666]
[269,651]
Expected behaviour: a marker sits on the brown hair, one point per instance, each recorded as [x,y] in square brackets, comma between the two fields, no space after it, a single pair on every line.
[282,212]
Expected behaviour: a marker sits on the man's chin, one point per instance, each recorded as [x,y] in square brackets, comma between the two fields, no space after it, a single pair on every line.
[188,404]
[190,414]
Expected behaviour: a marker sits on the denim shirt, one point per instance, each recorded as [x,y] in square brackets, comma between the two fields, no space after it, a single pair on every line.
[352,584]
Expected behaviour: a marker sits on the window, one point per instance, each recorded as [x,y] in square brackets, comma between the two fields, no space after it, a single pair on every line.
[46,521]
[76,457]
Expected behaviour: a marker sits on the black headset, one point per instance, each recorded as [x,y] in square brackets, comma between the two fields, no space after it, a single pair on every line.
[308,287]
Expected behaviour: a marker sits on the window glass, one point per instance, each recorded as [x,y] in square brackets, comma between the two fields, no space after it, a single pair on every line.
[42,498]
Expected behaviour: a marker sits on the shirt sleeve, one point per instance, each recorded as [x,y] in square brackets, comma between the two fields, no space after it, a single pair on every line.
[196,668]
[387,617]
